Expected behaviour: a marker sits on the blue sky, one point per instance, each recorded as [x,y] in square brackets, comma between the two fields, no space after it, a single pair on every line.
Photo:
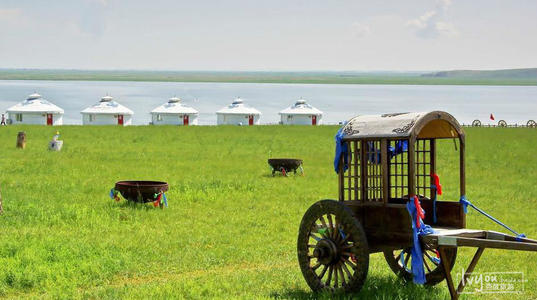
[268,35]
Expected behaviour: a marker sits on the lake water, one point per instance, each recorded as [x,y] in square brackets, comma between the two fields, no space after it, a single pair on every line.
[515,104]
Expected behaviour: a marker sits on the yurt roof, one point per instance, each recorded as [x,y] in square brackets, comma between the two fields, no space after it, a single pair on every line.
[301,108]
[107,105]
[35,103]
[434,124]
[239,108]
[174,106]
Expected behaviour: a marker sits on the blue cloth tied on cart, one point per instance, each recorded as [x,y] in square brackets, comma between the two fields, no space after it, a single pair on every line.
[434,203]
[342,149]
[417,254]
[465,203]
[165,199]
[374,154]
[400,147]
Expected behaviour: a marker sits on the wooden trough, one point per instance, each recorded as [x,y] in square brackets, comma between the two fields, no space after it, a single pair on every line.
[285,165]
[140,191]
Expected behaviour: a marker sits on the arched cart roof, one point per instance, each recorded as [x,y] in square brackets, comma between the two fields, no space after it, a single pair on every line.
[434,124]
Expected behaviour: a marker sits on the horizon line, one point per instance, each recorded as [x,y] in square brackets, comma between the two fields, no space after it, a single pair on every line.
[261,70]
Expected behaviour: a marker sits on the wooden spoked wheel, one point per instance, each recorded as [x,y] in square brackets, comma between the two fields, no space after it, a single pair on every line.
[332,248]
[400,261]
[476,123]
[531,124]
[502,123]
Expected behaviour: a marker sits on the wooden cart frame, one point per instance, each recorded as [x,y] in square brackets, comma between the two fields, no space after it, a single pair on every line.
[390,159]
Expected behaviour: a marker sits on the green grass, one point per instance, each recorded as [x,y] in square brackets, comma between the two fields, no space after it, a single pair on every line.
[328,77]
[230,230]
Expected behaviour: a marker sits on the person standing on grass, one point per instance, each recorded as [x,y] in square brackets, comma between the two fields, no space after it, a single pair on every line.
[3,120]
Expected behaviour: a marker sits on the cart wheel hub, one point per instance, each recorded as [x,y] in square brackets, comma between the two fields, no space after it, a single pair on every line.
[326,252]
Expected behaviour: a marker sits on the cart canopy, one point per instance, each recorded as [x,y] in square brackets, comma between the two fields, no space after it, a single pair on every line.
[434,124]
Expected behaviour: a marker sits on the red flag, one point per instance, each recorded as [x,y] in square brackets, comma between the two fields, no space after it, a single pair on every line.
[492,117]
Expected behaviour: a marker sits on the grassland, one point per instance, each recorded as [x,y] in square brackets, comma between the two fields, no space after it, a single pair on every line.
[230,230]
[268,77]
[506,73]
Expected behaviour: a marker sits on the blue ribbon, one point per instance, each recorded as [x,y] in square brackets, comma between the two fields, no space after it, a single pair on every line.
[403,259]
[416,252]
[112,192]
[342,233]
[165,199]
[375,154]
[400,147]
[520,237]
[342,149]
[465,203]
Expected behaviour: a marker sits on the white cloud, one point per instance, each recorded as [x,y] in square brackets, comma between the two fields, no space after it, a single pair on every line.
[423,21]
[433,24]
[10,13]
[444,3]
[11,18]
[446,28]
[360,30]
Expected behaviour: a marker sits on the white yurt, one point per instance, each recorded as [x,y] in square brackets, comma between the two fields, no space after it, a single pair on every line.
[107,112]
[238,113]
[35,110]
[174,112]
[301,113]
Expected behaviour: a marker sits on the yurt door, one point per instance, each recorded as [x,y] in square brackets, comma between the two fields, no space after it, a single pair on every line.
[185,120]
[250,120]
[120,120]
[49,119]
[313,120]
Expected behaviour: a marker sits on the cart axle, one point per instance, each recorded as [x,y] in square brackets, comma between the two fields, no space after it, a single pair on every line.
[326,252]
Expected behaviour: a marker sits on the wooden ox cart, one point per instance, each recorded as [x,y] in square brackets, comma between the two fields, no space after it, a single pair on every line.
[387,177]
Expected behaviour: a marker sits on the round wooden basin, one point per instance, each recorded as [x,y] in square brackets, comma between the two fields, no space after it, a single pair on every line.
[140,191]
[289,164]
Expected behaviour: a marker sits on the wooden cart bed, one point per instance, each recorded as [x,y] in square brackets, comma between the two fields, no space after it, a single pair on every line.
[448,238]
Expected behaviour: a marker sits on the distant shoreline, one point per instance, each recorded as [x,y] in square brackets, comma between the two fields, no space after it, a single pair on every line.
[399,78]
